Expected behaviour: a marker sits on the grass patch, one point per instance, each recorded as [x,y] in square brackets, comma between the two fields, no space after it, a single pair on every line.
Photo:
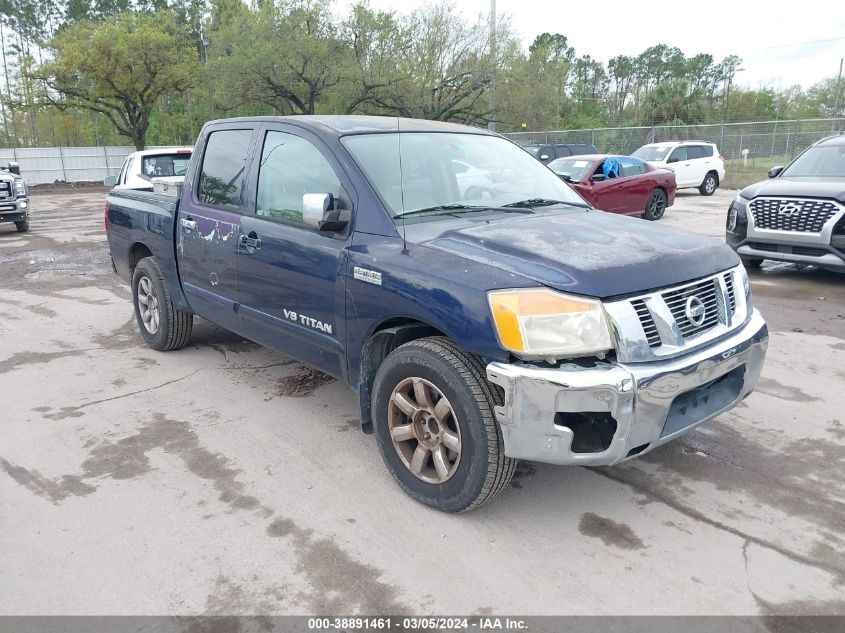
[739,175]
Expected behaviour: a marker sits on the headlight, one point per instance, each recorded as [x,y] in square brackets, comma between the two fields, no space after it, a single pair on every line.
[20,187]
[732,213]
[541,323]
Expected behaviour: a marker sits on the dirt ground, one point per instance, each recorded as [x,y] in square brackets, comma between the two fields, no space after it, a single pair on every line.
[228,479]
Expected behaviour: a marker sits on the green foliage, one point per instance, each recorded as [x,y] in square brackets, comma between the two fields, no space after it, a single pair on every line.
[79,72]
[120,67]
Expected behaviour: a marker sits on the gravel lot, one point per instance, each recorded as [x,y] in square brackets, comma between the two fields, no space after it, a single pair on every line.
[227,479]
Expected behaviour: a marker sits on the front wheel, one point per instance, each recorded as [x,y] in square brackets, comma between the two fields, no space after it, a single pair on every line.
[708,187]
[163,326]
[22,227]
[435,427]
[656,205]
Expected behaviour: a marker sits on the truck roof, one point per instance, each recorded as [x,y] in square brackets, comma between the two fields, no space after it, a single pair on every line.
[343,125]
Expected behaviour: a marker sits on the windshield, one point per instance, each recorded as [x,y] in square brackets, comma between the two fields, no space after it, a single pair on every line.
[571,169]
[822,161]
[458,171]
[165,164]
[653,152]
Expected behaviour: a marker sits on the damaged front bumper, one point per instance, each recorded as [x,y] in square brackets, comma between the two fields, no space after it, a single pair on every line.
[609,412]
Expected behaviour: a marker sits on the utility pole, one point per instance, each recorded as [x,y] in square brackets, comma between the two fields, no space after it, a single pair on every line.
[491,125]
[841,93]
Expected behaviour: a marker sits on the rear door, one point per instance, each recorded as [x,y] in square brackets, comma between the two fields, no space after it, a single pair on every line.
[699,163]
[208,225]
[289,275]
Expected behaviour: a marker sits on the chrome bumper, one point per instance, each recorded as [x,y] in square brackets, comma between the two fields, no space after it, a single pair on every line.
[651,403]
[14,210]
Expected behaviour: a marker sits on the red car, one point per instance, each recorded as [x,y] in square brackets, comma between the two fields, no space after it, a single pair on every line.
[619,184]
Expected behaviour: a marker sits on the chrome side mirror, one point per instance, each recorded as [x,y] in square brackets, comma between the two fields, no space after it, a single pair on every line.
[317,212]
[774,172]
[110,181]
[14,168]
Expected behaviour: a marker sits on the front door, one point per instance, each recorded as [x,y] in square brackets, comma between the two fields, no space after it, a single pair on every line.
[208,225]
[683,168]
[289,275]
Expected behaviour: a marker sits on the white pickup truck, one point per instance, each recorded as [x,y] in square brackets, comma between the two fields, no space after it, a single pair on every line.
[140,168]
[14,198]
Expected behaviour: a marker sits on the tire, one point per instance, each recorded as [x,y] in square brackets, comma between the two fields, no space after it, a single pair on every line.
[22,227]
[751,262]
[469,476]
[710,184]
[163,327]
[655,206]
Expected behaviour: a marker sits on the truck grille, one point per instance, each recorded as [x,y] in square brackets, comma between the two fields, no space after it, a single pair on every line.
[729,286]
[676,301]
[670,321]
[5,189]
[805,216]
[647,321]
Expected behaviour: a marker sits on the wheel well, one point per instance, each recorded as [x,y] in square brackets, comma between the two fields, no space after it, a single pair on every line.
[715,175]
[386,337]
[138,252]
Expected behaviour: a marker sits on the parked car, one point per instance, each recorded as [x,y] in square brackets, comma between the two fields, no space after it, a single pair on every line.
[550,151]
[619,184]
[140,168]
[14,198]
[697,164]
[798,215]
[528,326]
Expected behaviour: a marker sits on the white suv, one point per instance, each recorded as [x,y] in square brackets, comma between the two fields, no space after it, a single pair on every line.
[696,164]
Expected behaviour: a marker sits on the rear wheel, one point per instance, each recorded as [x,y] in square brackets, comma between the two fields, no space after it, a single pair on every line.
[708,187]
[22,227]
[656,205]
[435,428]
[163,326]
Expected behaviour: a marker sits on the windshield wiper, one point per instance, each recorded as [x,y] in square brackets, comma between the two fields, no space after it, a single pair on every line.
[441,207]
[544,202]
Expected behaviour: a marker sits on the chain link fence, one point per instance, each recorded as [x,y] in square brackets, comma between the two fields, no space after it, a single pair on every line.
[761,139]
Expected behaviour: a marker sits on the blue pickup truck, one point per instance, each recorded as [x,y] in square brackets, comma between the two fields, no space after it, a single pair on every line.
[480,310]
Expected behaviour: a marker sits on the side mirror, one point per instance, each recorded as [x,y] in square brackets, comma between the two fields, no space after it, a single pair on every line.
[544,157]
[14,168]
[110,181]
[774,172]
[597,178]
[317,212]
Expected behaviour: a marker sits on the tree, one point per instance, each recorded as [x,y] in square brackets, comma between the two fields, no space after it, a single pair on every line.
[120,67]
[671,102]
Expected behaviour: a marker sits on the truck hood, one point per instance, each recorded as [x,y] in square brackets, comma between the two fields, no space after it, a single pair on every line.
[806,187]
[590,253]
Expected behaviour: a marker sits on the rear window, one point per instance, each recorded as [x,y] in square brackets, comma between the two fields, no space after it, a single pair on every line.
[221,177]
[707,150]
[165,165]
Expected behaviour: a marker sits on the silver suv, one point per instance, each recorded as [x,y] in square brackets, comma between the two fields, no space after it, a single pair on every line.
[798,215]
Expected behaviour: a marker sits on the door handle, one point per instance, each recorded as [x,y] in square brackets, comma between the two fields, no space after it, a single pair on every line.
[188,224]
[251,241]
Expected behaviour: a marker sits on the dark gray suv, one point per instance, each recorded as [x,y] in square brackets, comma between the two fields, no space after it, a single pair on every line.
[798,215]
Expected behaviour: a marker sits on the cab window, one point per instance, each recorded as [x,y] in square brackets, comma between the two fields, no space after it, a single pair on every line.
[291,167]
[222,172]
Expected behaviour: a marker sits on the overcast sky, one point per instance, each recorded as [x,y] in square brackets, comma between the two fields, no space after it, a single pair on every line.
[781,43]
